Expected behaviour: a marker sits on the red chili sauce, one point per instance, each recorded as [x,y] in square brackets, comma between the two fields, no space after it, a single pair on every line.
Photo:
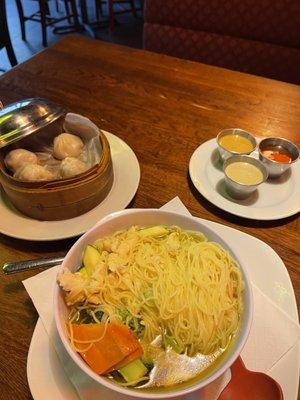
[278,154]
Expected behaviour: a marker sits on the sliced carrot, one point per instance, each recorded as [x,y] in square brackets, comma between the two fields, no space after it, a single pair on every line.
[101,355]
[135,354]
[124,337]
[116,343]
[83,332]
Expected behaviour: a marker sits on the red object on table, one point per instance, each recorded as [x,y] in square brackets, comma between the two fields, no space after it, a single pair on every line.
[245,385]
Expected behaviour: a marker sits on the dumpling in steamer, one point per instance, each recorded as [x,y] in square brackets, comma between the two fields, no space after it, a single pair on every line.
[34,173]
[71,166]
[67,145]
[18,158]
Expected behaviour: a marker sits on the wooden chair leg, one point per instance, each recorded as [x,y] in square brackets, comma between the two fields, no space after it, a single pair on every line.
[111,15]
[96,5]
[11,53]
[21,19]
[67,10]
[47,7]
[6,38]
[75,13]
[98,9]
[84,13]
[133,9]
[43,10]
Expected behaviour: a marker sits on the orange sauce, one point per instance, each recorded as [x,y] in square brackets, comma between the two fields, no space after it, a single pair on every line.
[277,156]
[236,143]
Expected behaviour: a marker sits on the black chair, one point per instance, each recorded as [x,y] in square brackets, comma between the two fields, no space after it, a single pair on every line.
[4,34]
[45,19]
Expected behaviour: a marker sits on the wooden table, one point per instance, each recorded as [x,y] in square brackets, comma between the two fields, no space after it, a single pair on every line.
[163,108]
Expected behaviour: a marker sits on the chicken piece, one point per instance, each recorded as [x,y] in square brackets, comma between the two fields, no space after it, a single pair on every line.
[115,262]
[74,285]
[172,242]
[80,287]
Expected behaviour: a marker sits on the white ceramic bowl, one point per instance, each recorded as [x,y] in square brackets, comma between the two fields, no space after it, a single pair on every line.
[124,219]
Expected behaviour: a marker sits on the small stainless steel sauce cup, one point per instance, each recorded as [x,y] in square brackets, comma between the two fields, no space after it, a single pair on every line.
[275,168]
[224,153]
[240,190]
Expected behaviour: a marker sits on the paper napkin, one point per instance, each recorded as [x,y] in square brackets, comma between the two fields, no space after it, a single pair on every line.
[274,338]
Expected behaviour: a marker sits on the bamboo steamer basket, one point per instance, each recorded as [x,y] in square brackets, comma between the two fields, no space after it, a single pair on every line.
[58,199]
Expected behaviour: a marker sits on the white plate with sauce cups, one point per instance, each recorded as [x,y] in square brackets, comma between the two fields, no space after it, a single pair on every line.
[150,217]
[243,174]
[235,141]
[277,154]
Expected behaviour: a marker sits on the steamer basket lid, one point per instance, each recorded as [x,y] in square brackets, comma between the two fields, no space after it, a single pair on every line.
[25,117]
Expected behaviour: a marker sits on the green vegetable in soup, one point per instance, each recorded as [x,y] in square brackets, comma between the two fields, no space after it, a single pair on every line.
[91,257]
[133,371]
[153,231]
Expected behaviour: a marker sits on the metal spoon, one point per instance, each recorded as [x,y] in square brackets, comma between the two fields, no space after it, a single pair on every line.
[12,267]
[245,385]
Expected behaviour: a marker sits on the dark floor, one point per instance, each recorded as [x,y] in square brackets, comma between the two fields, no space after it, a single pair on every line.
[128,30]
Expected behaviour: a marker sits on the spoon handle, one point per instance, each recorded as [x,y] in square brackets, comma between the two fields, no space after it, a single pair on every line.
[12,267]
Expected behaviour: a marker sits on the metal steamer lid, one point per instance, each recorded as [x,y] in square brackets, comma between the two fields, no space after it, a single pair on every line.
[24,117]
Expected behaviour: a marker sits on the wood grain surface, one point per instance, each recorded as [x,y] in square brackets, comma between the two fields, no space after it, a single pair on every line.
[164,108]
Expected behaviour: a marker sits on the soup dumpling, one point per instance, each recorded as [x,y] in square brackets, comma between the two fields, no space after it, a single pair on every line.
[34,173]
[67,145]
[71,166]
[18,158]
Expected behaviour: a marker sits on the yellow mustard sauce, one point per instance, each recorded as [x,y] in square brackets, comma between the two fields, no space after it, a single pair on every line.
[236,143]
[244,173]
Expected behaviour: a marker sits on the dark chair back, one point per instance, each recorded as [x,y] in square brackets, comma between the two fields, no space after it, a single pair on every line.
[4,34]
[257,36]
